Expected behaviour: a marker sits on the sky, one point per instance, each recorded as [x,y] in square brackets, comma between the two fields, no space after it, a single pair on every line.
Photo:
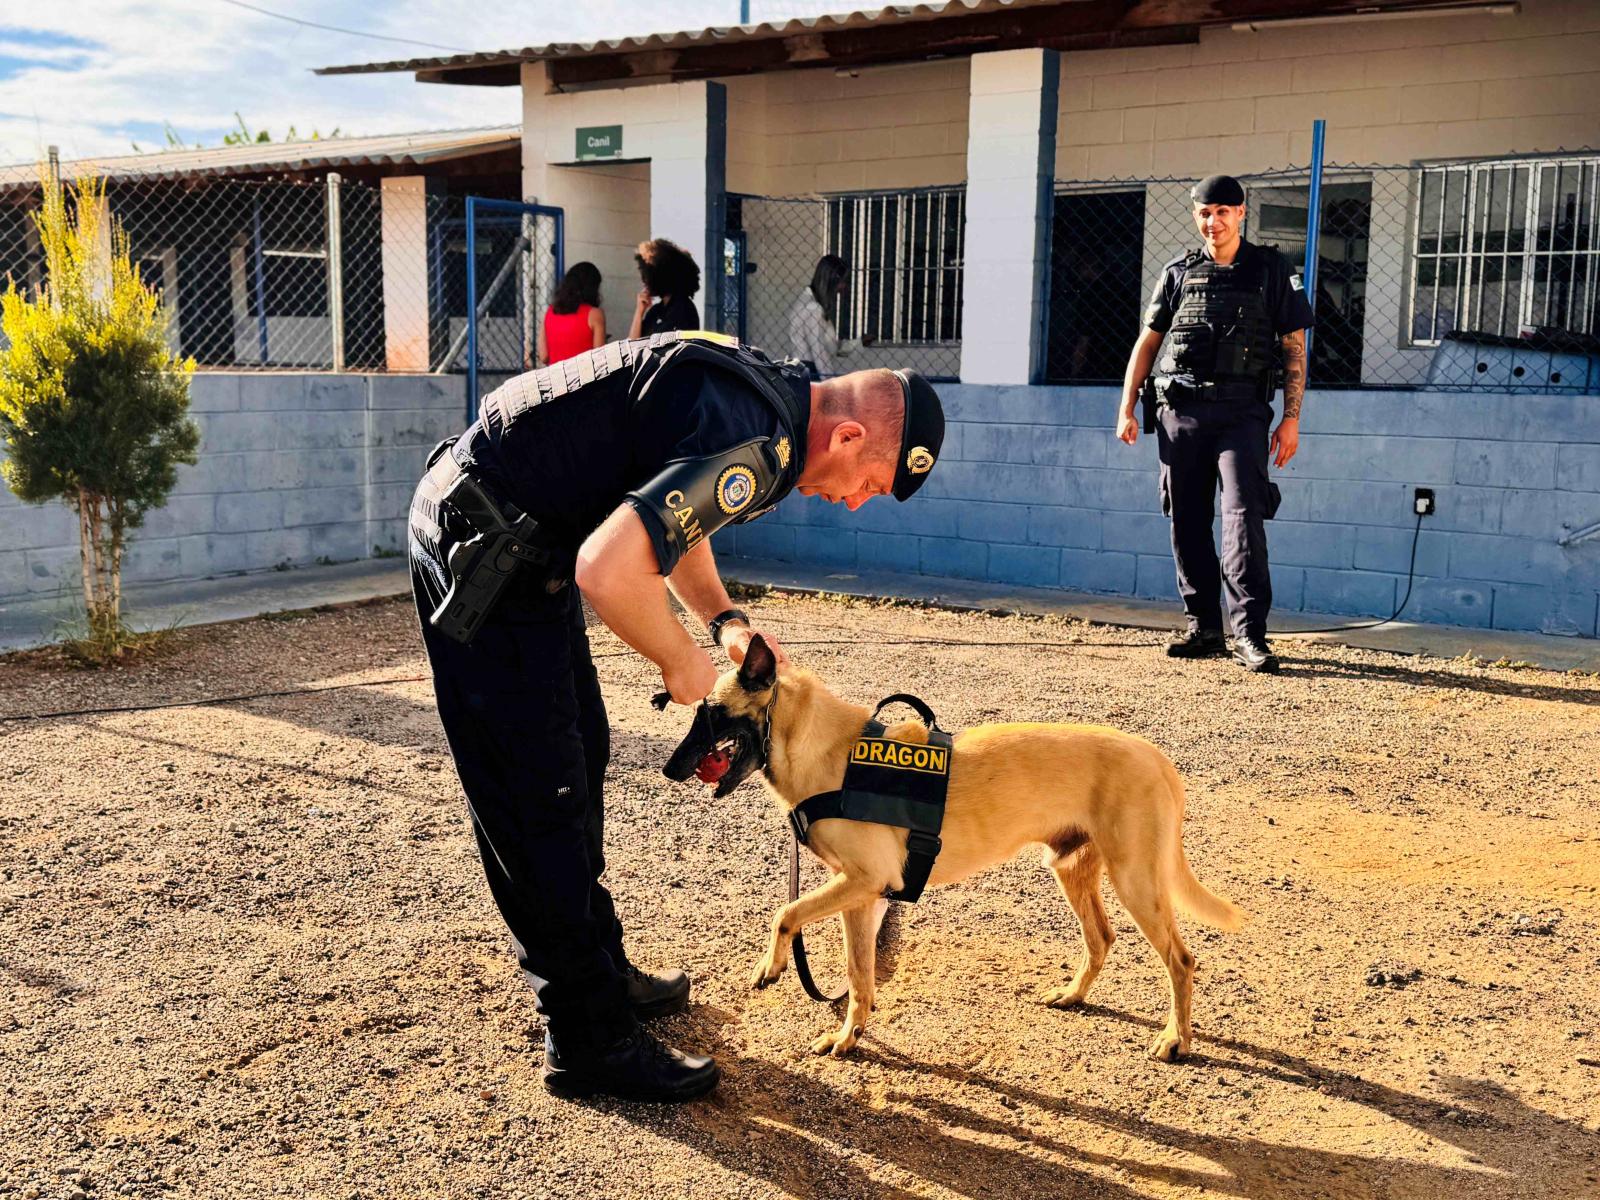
[98,77]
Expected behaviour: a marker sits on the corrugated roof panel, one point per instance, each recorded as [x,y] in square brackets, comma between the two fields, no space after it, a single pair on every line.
[762,31]
[254,157]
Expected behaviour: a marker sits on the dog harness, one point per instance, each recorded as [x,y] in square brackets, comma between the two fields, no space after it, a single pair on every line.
[890,782]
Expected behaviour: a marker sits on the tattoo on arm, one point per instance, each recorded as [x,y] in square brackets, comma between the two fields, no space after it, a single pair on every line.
[1294,375]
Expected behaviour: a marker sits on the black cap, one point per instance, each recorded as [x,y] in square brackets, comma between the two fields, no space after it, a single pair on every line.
[1217,189]
[922,433]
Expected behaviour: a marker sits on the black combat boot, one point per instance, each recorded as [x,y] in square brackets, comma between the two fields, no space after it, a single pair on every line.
[1196,643]
[656,995]
[1251,652]
[638,1067]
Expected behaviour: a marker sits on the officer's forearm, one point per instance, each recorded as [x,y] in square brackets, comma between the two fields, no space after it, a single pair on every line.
[1139,364]
[618,574]
[1294,374]
[698,587]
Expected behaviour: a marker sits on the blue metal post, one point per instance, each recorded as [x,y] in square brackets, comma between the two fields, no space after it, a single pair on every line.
[472,310]
[1314,223]
[261,284]
[744,12]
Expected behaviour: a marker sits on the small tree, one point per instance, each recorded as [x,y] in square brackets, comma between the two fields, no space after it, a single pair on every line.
[93,402]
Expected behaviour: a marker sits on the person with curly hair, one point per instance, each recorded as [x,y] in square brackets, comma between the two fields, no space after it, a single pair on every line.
[670,278]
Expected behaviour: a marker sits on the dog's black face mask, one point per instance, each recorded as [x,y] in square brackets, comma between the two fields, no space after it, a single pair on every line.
[717,730]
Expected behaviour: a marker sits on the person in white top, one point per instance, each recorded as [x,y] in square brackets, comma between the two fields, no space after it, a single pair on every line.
[811,332]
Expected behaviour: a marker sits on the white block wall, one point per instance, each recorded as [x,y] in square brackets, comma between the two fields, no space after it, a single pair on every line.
[666,124]
[1391,91]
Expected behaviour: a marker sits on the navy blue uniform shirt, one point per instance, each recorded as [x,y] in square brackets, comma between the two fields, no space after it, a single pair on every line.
[570,461]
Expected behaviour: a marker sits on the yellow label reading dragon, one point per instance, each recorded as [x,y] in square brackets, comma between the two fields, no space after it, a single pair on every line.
[908,756]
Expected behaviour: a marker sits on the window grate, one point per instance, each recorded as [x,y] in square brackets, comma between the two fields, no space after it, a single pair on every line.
[1503,246]
[905,253]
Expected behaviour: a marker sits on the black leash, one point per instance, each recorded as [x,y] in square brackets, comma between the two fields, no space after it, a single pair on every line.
[802,965]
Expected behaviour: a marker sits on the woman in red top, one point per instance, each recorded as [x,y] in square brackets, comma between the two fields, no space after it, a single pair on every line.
[575,322]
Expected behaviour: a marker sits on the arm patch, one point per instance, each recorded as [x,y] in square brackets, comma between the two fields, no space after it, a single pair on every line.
[692,498]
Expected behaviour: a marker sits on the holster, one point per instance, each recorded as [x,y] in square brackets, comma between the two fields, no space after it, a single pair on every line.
[503,541]
[1147,402]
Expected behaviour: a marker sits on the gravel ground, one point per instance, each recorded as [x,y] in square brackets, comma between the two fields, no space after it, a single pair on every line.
[247,950]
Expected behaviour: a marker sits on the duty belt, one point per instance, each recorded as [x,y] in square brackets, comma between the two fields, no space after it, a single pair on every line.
[1172,391]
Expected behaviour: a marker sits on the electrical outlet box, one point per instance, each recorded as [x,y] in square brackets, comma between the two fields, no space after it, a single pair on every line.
[1422,503]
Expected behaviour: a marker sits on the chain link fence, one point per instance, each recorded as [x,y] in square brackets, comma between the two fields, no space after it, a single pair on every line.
[1461,276]
[900,300]
[329,275]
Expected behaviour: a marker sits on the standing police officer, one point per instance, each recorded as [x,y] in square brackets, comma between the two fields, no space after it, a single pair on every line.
[1233,315]
[604,476]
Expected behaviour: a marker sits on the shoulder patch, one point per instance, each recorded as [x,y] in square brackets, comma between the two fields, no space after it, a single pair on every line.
[736,488]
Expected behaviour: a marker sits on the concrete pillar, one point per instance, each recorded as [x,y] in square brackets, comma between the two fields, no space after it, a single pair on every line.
[1011,154]
[688,173]
[404,201]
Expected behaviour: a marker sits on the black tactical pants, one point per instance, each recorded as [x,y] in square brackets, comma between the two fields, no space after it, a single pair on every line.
[522,711]
[1204,442]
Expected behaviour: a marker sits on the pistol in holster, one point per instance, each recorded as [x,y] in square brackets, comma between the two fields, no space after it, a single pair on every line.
[503,541]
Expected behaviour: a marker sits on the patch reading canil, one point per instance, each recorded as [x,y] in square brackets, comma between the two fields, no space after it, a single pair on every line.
[904,756]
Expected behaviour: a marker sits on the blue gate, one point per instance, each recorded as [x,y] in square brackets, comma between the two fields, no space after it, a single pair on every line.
[514,260]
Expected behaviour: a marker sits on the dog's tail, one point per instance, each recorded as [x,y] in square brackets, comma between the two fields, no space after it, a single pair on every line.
[1189,893]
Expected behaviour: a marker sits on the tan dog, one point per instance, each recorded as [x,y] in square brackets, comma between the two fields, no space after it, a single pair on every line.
[1097,799]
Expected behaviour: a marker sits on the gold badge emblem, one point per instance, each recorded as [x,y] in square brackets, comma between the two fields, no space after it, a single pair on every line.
[781,449]
[919,461]
[736,487]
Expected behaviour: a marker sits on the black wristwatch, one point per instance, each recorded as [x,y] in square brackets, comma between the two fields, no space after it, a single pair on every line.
[714,626]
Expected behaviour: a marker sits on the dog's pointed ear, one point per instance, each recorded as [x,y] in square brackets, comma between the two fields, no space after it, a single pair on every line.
[759,670]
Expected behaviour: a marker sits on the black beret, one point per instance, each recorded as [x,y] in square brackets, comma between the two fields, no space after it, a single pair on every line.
[1217,189]
[922,433]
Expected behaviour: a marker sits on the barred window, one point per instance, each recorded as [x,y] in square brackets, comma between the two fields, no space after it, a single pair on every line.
[905,254]
[1505,245]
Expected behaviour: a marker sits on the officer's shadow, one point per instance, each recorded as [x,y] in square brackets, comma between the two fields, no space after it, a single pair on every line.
[806,1136]
[1543,685]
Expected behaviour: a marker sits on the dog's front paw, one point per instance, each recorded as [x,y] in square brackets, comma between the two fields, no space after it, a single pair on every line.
[766,972]
[1062,997]
[838,1043]
[1169,1047]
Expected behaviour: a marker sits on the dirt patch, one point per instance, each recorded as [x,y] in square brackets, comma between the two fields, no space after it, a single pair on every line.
[248,950]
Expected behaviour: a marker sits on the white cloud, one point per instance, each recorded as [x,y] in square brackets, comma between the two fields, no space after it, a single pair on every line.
[135,64]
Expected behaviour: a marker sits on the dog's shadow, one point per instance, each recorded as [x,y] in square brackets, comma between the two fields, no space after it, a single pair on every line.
[808,1137]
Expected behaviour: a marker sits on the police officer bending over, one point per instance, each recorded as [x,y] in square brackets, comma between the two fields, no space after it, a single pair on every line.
[604,476]
[1233,315]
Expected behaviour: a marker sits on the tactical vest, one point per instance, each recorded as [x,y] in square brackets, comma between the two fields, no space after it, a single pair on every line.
[1222,331]
[573,480]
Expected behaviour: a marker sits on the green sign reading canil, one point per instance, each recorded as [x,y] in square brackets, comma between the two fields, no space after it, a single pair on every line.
[600,141]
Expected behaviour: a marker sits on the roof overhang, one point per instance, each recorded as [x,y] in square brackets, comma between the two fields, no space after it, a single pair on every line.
[901,34]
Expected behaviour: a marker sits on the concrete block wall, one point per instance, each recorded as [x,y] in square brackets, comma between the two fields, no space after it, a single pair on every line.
[1033,489]
[1391,91]
[294,468]
[797,133]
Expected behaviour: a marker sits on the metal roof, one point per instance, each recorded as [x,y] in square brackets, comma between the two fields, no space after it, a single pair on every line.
[411,149]
[896,33]
[898,14]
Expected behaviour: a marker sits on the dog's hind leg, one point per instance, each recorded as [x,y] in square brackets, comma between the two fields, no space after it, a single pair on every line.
[838,894]
[860,944]
[1145,897]
[1078,872]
